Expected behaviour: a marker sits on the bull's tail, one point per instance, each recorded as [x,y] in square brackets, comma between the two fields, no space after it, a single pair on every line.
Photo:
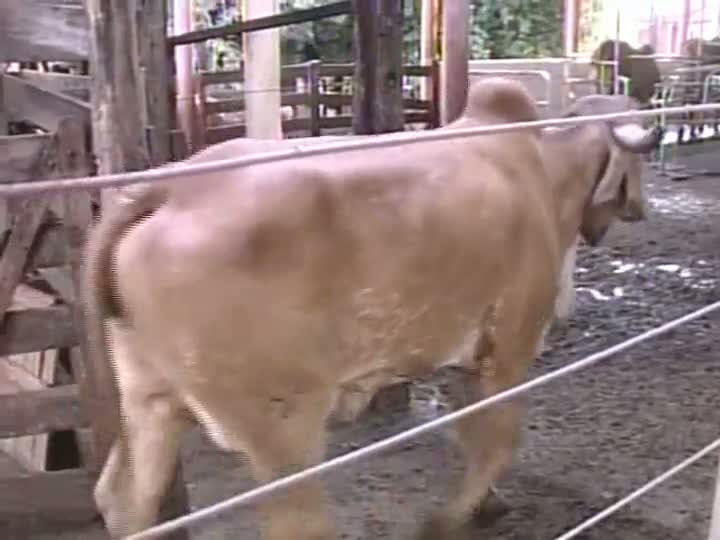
[98,291]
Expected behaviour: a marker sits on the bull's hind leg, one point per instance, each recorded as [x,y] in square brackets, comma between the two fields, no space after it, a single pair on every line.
[282,433]
[490,437]
[143,460]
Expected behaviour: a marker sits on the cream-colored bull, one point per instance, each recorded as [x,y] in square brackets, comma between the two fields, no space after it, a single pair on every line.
[250,298]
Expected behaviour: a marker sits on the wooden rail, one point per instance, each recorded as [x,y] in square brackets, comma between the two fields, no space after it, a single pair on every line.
[264,23]
[31,244]
[213,99]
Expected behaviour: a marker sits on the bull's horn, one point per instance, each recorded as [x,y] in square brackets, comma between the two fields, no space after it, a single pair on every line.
[636,139]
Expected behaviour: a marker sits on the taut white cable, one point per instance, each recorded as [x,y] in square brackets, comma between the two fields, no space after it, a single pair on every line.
[395,440]
[610,510]
[377,141]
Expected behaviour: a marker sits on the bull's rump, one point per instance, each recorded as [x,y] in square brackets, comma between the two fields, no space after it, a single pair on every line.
[290,274]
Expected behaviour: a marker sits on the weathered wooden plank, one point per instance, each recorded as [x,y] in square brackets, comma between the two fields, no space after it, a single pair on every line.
[218,134]
[27,220]
[64,496]
[335,122]
[28,372]
[19,155]
[348,70]
[290,72]
[118,133]
[40,411]
[337,70]
[238,104]
[48,250]
[32,330]
[58,82]
[24,100]
[35,30]
[346,100]
[264,23]
[22,373]
[153,57]
[73,161]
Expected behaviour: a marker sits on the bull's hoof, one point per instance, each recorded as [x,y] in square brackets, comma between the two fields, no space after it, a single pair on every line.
[439,527]
[491,509]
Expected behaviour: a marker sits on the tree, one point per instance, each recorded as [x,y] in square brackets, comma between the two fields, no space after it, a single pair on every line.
[516,28]
[499,29]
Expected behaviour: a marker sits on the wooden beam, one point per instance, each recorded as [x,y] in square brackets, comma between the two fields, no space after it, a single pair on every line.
[120,145]
[290,72]
[40,411]
[35,30]
[74,161]
[153,57]
[31,330]
[378,67]
[456,55]
[23,100]
[264,23]
[261,64]
[57,82]
[48,249]
[118,133]
[25,224]
[27,214]
[57,497]
[19,155]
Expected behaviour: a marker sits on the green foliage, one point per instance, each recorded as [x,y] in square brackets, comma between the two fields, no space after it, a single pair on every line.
[499,29]
[516,28]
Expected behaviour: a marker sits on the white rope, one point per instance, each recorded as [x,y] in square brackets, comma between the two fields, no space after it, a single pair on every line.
[377,141]
[610,510]
[395,440]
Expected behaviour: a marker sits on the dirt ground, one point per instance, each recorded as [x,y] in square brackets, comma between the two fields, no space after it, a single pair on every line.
[589,439]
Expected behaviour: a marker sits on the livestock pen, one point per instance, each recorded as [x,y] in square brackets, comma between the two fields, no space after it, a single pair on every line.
[693,281]
[590,439]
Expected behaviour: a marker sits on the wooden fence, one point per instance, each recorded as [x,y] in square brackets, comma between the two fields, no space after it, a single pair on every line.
[301,90]
[32,243]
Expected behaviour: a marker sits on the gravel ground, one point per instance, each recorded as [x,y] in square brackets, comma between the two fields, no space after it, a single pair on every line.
[589,439]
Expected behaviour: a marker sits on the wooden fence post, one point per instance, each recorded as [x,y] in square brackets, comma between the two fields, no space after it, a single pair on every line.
[74,160]
[153,54]
[378,107]
[377,96]
[313,78]
[120,144]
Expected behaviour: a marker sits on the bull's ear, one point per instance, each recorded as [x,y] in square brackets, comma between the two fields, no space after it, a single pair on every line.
[608,187]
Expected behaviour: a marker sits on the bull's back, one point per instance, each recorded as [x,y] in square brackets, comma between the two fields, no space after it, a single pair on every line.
[384,262]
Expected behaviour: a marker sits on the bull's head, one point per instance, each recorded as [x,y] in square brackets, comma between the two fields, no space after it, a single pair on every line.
[618,148]
[618,192]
